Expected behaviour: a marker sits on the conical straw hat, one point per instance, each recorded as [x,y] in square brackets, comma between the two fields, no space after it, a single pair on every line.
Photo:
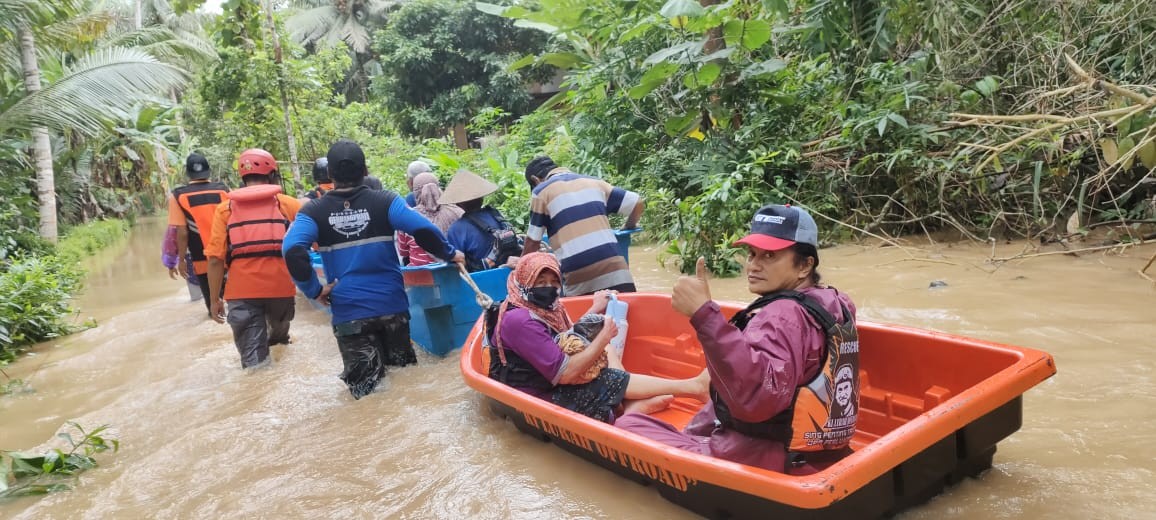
[466,185]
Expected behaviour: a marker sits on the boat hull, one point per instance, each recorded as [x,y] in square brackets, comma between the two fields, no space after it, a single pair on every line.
[442,307]
[928,420]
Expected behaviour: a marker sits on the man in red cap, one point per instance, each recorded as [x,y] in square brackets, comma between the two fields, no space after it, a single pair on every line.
[784,371]
[247,233]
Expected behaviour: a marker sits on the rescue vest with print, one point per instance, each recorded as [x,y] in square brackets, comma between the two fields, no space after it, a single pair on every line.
[198,201]
[822,414]
[515,371]
[256,224]
[355,217]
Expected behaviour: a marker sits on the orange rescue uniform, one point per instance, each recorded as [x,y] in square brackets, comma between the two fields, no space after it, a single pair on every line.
[193,206]
[252,276]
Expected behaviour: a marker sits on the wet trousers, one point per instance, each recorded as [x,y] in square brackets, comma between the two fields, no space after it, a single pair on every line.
[258,323]
[369,346]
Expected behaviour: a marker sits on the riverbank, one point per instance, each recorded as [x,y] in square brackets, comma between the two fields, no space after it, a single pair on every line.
[202,439]
[37,287]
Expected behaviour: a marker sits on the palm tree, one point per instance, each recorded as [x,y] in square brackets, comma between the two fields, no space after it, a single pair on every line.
[41,146]
[352,22]
[107,80]
[331,21]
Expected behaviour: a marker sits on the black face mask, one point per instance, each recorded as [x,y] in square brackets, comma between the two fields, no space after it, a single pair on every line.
[543,297]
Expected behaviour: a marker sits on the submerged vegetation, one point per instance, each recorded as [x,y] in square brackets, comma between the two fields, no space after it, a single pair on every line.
[26,474]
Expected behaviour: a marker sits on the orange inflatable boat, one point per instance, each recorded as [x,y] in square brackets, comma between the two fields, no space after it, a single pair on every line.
[932,408]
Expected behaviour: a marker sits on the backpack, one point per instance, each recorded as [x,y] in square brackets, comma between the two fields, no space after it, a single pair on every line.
[506,242]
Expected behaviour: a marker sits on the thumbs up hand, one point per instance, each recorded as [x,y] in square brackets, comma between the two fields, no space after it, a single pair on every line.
[691,292]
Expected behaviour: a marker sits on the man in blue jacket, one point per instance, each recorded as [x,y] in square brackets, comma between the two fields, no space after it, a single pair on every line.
[353,227]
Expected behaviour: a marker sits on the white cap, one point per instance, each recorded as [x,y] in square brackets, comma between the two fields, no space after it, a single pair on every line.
[415,168]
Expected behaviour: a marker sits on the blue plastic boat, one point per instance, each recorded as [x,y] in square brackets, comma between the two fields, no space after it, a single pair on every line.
[443,308]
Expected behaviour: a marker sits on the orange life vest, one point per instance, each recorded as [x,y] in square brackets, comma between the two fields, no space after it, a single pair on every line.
[256,224]
[198,201]
[319,191]
[823,414]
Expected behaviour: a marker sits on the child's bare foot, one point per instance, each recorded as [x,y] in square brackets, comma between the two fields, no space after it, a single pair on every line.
[648,406]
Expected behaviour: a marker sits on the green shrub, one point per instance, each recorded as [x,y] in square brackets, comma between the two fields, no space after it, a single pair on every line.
[35,292]
[82,241]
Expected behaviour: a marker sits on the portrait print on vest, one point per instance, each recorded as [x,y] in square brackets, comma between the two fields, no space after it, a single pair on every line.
[824,412]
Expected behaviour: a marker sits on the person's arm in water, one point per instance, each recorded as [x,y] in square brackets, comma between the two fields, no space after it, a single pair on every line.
[424,232]
[295,248]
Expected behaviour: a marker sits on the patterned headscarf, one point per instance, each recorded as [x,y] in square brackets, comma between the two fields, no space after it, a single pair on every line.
[522,278]
[427,192]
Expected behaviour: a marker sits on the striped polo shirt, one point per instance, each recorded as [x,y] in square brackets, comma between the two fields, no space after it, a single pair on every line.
[572,210]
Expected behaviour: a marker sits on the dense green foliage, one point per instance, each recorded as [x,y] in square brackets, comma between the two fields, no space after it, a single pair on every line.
[853,109]
[446,62]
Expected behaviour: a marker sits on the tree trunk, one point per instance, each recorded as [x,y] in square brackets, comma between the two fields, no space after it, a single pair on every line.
[137,14]
[41,146]
[714,41]
[180,118]
[298,186]
[461,138]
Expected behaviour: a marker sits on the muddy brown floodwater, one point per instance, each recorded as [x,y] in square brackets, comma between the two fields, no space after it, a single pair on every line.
[202,439]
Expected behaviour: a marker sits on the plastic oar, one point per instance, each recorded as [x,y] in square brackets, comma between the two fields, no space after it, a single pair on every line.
[482,298]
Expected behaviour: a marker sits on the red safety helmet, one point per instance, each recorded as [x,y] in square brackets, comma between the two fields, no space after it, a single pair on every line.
[256,161]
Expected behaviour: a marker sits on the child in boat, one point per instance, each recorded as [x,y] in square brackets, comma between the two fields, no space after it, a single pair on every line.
[577,338]
[528,359]
[784,371]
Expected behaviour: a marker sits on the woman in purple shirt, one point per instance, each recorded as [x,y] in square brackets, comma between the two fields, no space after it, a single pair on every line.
[769,366]
[527,357]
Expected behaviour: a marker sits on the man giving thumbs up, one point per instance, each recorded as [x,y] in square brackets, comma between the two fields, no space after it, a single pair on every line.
[773,366]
